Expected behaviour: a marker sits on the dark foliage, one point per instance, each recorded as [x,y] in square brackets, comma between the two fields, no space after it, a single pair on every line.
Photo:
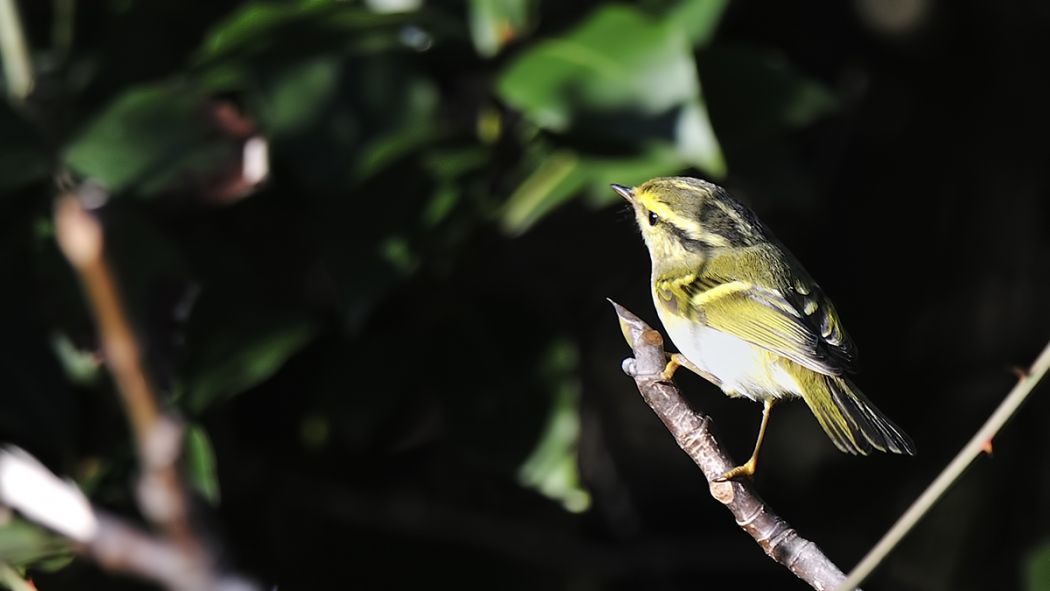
[396,352]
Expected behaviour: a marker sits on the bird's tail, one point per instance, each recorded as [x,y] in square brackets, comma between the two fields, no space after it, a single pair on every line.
[852,422]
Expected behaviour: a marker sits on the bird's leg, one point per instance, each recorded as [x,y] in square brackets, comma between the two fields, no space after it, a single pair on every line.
[748,468]
[677,360]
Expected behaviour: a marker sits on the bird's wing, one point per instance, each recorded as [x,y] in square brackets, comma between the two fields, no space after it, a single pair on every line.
[787,315]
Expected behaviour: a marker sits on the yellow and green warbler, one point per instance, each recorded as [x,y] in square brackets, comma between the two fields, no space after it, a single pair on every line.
[747,317]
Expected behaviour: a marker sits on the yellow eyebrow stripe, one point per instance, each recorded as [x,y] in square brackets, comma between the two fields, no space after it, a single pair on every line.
[664,212]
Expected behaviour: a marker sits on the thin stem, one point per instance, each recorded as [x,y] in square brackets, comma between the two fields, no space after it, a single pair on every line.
[951,473]
[14,53]
[80,236]
[158,438]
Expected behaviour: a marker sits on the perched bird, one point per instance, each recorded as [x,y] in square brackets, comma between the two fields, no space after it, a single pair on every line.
[747,317]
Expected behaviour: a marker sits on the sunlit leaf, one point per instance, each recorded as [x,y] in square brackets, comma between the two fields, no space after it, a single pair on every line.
[553,181]
[656,160]
[618,59]
[200,464]
[495,23]
[698,19]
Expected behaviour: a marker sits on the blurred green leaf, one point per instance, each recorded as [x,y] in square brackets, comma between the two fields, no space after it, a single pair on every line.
[1037,569]
[149,136]
[555,180]
[697,19]
[25,544]
[200,464]
[281,29]
[299,94]
[82,367]
[552,468]
[618,59]
[23,152]
[654,160]
[235,357]
[620,75]
[758,94]
[564,174]
[495,23]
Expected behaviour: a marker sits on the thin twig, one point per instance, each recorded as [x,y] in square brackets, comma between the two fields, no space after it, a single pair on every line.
[691,430]
[977,444]
[14,53]
[179,559]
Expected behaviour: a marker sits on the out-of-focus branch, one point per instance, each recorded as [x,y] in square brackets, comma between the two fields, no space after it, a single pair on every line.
[977,445]
[179,558]
[29,487]
[158,438]
[14,53]
[691,430]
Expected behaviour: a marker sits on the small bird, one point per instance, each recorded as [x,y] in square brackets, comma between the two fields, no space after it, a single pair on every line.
[747,317]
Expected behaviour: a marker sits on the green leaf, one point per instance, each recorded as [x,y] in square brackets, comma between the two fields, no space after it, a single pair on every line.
[82,367]
[697,19]
[281,29]
[25,544]
[237,356]
[299,94]
[495,23]
[564,174]
[619,59]
[655,160]
[200,464]
[149,136]
[1037,569]
[556,179]
[551,468]
[622,76]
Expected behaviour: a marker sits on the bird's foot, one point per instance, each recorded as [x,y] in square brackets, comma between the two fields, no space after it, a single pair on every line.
[747,470]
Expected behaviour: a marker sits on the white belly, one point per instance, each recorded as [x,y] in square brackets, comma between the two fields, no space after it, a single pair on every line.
[743,368]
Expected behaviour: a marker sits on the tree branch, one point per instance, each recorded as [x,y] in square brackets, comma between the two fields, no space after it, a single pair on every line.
[691,430]
[178,557]
[977,445]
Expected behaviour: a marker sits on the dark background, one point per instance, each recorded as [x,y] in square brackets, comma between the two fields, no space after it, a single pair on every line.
[397,350]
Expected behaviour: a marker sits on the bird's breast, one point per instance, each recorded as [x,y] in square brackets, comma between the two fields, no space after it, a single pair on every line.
[744,369]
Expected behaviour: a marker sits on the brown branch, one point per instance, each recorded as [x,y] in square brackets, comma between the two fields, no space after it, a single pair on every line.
[179,558]
[691,430]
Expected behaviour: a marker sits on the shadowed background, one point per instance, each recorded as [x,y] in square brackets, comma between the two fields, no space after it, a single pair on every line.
[396,352]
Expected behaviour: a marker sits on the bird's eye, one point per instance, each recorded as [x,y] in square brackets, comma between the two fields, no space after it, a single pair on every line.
[653,218]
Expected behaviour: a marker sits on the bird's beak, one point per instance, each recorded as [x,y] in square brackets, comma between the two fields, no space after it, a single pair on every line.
[625,192]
